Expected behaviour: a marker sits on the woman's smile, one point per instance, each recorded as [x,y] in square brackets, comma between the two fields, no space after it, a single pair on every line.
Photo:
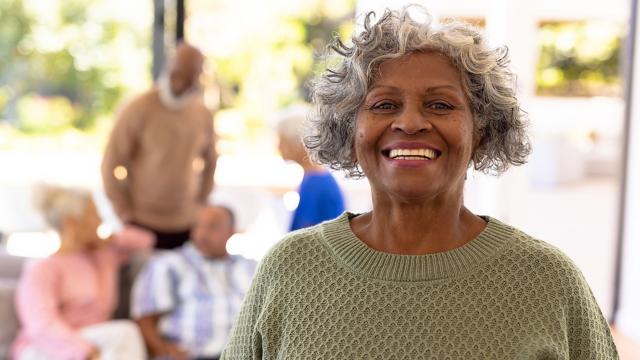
[411,154]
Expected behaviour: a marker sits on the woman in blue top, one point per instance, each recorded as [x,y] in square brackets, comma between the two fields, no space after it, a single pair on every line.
[320,196]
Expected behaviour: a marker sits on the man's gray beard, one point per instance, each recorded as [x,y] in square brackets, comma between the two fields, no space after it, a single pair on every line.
[167,97]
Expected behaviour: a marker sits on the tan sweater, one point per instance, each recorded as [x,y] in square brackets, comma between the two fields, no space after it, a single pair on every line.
[169,157]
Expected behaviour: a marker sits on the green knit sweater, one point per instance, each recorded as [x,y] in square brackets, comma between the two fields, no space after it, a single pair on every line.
[321,293]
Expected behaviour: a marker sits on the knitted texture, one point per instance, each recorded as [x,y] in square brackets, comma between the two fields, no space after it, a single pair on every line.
[321,293]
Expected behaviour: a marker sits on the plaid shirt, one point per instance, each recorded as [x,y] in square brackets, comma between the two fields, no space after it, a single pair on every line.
[200,297]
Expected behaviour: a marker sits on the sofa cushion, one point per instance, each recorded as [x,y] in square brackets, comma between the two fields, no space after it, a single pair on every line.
[10,266]
[8,320]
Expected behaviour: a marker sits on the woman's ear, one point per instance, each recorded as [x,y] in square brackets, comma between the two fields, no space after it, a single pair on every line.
[478,139]
[354,156]
[477,142]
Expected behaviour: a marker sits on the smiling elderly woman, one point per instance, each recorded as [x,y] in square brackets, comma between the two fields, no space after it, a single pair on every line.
[412,106]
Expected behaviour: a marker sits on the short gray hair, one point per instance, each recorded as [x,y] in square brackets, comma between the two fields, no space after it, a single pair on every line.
[56,203]
[289,122]
[339,92]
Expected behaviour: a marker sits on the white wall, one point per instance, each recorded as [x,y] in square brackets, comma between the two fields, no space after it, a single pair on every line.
[628,317]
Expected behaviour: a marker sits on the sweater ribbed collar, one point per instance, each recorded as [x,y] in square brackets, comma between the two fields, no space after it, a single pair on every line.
[393,267]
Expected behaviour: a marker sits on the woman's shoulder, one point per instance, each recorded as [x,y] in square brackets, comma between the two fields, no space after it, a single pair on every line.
[541,260]
[44,264]
[53,266]
[537,250]
[296,243]
[53,261]
[299,246]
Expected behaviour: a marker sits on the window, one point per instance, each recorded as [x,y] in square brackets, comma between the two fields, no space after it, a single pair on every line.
[579,59]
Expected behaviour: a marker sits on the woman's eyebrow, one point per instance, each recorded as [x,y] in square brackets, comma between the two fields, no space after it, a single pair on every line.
[429,89]
[445,87]
[454,90]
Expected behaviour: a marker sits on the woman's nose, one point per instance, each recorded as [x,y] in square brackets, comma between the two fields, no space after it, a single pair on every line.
[412,121]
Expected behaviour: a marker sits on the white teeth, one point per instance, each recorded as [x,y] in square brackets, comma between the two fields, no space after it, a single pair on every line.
[412,154]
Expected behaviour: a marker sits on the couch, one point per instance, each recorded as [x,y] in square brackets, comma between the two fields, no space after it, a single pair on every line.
[10,268]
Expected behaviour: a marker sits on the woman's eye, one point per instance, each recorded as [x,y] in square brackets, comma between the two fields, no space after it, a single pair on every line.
[383,105]
[440,106]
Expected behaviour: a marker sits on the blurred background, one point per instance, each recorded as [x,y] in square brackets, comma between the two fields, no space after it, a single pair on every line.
[66,66]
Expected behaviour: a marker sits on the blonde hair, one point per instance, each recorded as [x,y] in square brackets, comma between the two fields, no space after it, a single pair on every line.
[57,203]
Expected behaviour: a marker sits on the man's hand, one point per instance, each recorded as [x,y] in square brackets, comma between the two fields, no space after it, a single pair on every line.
[94,354]
[172,351]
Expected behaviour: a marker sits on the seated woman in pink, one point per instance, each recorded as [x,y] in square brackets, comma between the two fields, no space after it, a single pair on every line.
[65,302]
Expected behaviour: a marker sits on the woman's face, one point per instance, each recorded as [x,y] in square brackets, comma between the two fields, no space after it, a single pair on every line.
[211,232]
[286,148]
[415,129]
[86,226]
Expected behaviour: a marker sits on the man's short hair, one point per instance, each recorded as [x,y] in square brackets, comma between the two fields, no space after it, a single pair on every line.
[226,209]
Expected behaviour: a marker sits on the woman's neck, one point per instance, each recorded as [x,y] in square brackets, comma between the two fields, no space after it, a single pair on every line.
[417,228]
[68,244]
[308,165]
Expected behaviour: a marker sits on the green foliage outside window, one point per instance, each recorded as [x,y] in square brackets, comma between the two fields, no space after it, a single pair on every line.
[66,64]
[579,59]
[262,59]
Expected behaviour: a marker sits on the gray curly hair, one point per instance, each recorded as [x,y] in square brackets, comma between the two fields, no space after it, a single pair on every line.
[339,92]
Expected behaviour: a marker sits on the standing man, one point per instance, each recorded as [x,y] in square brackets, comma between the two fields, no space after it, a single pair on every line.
[159,162]
[186,300]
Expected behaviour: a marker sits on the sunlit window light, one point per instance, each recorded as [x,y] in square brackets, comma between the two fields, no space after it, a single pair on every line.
[33,244]
[104,231]
[198,164]
[120,172]
[236,244]
[291,200]
[250,245]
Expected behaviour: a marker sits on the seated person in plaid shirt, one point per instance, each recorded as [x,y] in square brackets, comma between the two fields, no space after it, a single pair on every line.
[186,300]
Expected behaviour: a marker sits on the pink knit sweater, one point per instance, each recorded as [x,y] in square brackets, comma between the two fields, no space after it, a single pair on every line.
[61,294]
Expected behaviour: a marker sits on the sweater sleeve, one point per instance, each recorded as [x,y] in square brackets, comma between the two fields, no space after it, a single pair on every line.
[246,340]
[210,158]
[37,304]
[119,152]
[588,332]
[130,240]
